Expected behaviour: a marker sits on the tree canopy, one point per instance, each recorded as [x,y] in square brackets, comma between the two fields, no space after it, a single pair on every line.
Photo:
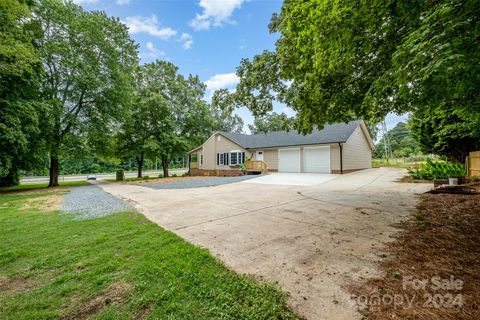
[168,117]
[402,142]
[89,60]
[270,122]
[225,120]
[340,60]
[20,108]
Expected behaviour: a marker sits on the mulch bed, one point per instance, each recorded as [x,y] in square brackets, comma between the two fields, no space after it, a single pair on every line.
[432,268]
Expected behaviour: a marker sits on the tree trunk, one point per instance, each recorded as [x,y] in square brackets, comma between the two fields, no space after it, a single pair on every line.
[54,169]
[139,166]
[165,164]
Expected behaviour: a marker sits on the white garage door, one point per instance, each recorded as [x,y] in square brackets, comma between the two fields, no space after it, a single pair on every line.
[316,159]
[289,160]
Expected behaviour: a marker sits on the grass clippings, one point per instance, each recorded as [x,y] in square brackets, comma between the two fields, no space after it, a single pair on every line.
[48,203]
[432,271]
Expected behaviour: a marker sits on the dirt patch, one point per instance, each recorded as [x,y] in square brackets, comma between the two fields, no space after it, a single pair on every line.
[168,180]
[432,268]
[51,202]
[37,190]
[114,294]
[17,284]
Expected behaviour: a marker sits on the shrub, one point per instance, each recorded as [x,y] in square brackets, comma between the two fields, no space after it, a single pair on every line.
[437,170]
[120,175]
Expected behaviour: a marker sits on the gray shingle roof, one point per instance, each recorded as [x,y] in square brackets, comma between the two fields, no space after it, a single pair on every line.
[334,133]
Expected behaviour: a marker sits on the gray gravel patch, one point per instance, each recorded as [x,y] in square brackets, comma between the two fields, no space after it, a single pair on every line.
[91,202]
[199,183]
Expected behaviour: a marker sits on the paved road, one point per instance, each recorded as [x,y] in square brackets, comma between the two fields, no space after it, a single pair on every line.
[101,176]
[313,239]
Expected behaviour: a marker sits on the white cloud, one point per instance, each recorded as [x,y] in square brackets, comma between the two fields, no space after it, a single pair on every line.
[123,2]
[152,51]
[220,81]
[215,13]
[149,25]
[186,40]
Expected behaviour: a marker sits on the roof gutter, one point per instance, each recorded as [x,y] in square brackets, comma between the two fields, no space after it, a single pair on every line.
[341,157]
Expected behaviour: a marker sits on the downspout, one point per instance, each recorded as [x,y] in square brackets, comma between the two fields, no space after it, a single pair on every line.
[341,157]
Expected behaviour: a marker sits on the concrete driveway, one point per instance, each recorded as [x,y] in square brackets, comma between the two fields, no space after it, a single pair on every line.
[294,179]
[313,240]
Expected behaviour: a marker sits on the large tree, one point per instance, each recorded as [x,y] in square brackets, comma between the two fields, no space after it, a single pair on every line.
[89,60]
[446,131]
[176,116]
[270,122]
[340,60]
[134,138]
[225,120]
[20,142]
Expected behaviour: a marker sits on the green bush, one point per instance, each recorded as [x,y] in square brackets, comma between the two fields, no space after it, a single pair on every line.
[120,175]
[437,170]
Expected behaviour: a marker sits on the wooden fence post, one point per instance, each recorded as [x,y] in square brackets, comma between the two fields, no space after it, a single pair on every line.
[473,164]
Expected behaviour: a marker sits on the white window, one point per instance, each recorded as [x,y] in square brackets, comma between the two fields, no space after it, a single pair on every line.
[231,158]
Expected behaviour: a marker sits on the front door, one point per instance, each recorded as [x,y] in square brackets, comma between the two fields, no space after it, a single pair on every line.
[259,155]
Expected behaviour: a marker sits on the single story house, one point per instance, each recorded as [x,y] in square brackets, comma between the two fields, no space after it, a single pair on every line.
[337,148]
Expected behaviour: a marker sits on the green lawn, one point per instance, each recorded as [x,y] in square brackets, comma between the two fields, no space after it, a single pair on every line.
[41,185]
[396,163]
[116,267]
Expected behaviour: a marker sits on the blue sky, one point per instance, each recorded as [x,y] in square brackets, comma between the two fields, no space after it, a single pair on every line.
[203,37]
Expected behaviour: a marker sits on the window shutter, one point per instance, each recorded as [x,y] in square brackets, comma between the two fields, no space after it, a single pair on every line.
[243,157]
[227,158]
[218,159]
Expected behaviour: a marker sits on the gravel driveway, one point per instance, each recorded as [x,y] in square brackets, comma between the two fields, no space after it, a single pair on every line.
[91,202]
[199,183]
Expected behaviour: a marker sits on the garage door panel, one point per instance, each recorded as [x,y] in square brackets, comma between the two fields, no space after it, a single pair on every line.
[316,159]
[289,160]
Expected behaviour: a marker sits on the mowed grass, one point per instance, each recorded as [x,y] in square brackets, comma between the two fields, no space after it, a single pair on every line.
[395,163]
[30,186]
[116,267]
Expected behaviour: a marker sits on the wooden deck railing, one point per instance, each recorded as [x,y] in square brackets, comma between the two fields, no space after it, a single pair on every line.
[256,165]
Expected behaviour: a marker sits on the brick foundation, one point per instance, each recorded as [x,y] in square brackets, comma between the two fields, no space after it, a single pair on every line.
[218,173]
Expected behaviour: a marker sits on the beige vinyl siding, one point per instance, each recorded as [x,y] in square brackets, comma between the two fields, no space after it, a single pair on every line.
[334,157]
[208,150]
[216,144]
[270,157]
[199,153]
[357,153]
